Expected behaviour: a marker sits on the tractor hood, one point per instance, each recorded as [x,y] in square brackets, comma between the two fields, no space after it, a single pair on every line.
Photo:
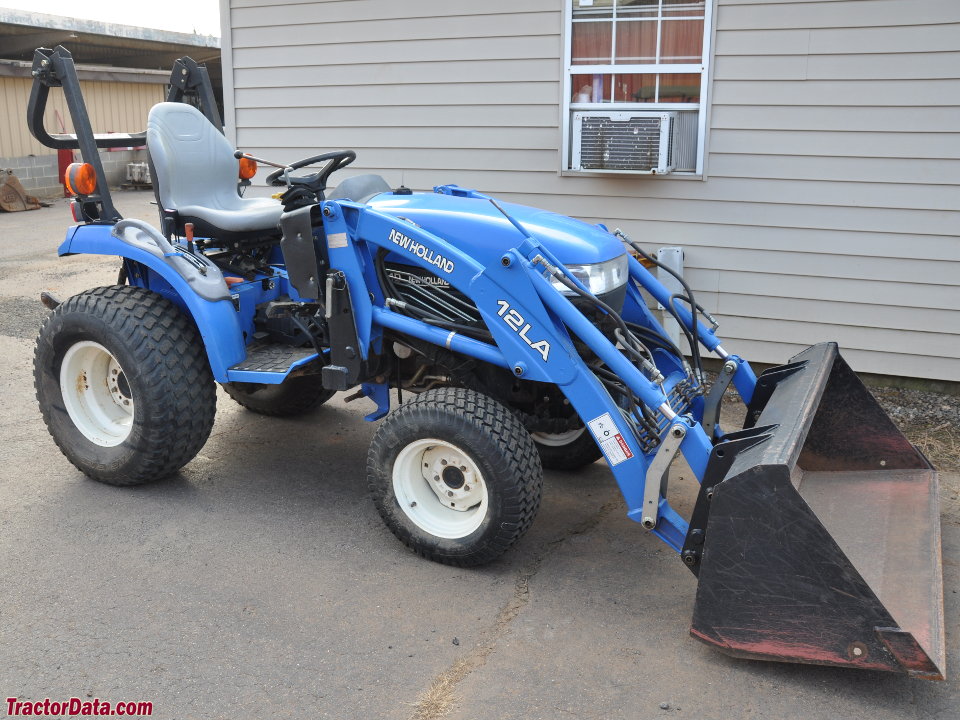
[476,227]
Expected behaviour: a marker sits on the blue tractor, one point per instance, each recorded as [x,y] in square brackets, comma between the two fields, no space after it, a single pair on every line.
[515,339]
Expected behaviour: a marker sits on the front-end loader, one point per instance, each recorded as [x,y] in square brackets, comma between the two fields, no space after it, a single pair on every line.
[515,339]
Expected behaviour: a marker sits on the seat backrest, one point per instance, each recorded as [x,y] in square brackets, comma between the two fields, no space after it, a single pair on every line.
[193,162]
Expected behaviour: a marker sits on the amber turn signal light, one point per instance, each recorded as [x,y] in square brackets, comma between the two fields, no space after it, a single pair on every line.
[248,168]
[80,179]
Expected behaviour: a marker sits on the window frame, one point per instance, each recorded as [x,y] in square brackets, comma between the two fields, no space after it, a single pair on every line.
[570,71]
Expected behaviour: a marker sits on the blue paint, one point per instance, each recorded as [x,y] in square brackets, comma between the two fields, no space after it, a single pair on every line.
[218,321]
[459,235]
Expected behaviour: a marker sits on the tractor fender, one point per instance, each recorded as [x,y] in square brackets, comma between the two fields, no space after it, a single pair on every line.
[203,294]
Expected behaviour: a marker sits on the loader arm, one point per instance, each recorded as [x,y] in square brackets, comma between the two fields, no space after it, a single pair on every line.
[784,570]
[532,325]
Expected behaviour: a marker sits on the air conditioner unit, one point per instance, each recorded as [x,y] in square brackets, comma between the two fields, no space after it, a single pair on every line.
[623,142]
[139,174]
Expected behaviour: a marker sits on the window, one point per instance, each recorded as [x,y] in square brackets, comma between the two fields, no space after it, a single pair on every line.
[636,68]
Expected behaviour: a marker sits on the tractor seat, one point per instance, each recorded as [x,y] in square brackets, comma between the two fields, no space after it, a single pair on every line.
[195,173]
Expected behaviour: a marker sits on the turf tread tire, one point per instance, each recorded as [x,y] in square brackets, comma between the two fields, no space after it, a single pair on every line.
[574,455]
[164,360]
[495,439]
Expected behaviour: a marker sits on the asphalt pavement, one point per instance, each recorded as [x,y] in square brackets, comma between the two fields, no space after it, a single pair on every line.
[259,582]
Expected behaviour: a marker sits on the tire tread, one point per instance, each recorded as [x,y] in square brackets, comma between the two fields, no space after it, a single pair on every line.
[168,349]
[520,501]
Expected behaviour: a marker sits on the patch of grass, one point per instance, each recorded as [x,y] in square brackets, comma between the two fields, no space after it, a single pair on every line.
[941,444]
[435,702]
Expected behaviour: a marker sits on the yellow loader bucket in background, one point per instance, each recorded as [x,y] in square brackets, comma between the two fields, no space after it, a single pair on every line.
[816,536]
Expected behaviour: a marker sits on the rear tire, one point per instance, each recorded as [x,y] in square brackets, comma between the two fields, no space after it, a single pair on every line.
[455,476]
[123,384]
[570,450]
[294,396]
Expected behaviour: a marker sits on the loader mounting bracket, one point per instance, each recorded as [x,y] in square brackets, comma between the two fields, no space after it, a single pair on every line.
[721,459]
[305,256]
[346,361]
[766,384]
[711,407]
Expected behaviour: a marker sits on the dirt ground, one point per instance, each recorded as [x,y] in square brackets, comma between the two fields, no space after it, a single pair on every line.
[260,582]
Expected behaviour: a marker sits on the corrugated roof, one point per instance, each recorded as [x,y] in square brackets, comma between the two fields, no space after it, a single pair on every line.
[99,43]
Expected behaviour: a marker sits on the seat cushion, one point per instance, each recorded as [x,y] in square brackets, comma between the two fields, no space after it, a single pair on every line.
[255,214]
[197,174]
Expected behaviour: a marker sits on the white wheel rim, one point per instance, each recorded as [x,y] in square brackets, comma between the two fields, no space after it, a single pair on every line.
[96,394]
[558,439]
[440,488]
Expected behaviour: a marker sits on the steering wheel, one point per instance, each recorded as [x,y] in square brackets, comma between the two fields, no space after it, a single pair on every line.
[315,181]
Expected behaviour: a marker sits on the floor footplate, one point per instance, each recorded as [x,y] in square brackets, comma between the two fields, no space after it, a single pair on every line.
[273,358]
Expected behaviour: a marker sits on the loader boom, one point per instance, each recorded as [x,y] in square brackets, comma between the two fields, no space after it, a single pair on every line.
[796,438]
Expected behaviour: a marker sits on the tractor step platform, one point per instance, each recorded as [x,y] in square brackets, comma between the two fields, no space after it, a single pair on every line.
[278,359]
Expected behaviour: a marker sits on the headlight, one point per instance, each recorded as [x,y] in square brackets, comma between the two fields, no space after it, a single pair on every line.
[598,278]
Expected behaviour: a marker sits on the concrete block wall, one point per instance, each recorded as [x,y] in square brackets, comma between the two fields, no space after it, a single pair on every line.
[115,164]
[39,176]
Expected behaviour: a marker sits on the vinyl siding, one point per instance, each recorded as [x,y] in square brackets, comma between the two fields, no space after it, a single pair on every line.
[830,207]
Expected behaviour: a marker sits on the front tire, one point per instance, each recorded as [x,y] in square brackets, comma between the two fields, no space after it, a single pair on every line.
[455,476]
[123,384]
[569,450]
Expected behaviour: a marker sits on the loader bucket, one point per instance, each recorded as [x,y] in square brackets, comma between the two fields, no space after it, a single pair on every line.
[816,537]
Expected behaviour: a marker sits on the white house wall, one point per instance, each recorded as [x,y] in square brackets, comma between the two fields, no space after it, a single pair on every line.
[831,207]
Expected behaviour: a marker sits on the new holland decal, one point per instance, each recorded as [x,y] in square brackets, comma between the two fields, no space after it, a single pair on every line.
[421,251]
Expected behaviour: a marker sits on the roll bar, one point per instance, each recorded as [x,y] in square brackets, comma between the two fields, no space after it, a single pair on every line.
[55,68]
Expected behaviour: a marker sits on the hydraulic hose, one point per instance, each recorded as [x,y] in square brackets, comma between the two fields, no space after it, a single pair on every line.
[628,337]
[691,333]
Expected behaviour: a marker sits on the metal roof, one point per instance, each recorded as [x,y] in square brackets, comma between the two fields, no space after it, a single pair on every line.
[99,43]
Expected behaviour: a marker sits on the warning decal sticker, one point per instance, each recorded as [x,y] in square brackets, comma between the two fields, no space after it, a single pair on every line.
[612,444]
